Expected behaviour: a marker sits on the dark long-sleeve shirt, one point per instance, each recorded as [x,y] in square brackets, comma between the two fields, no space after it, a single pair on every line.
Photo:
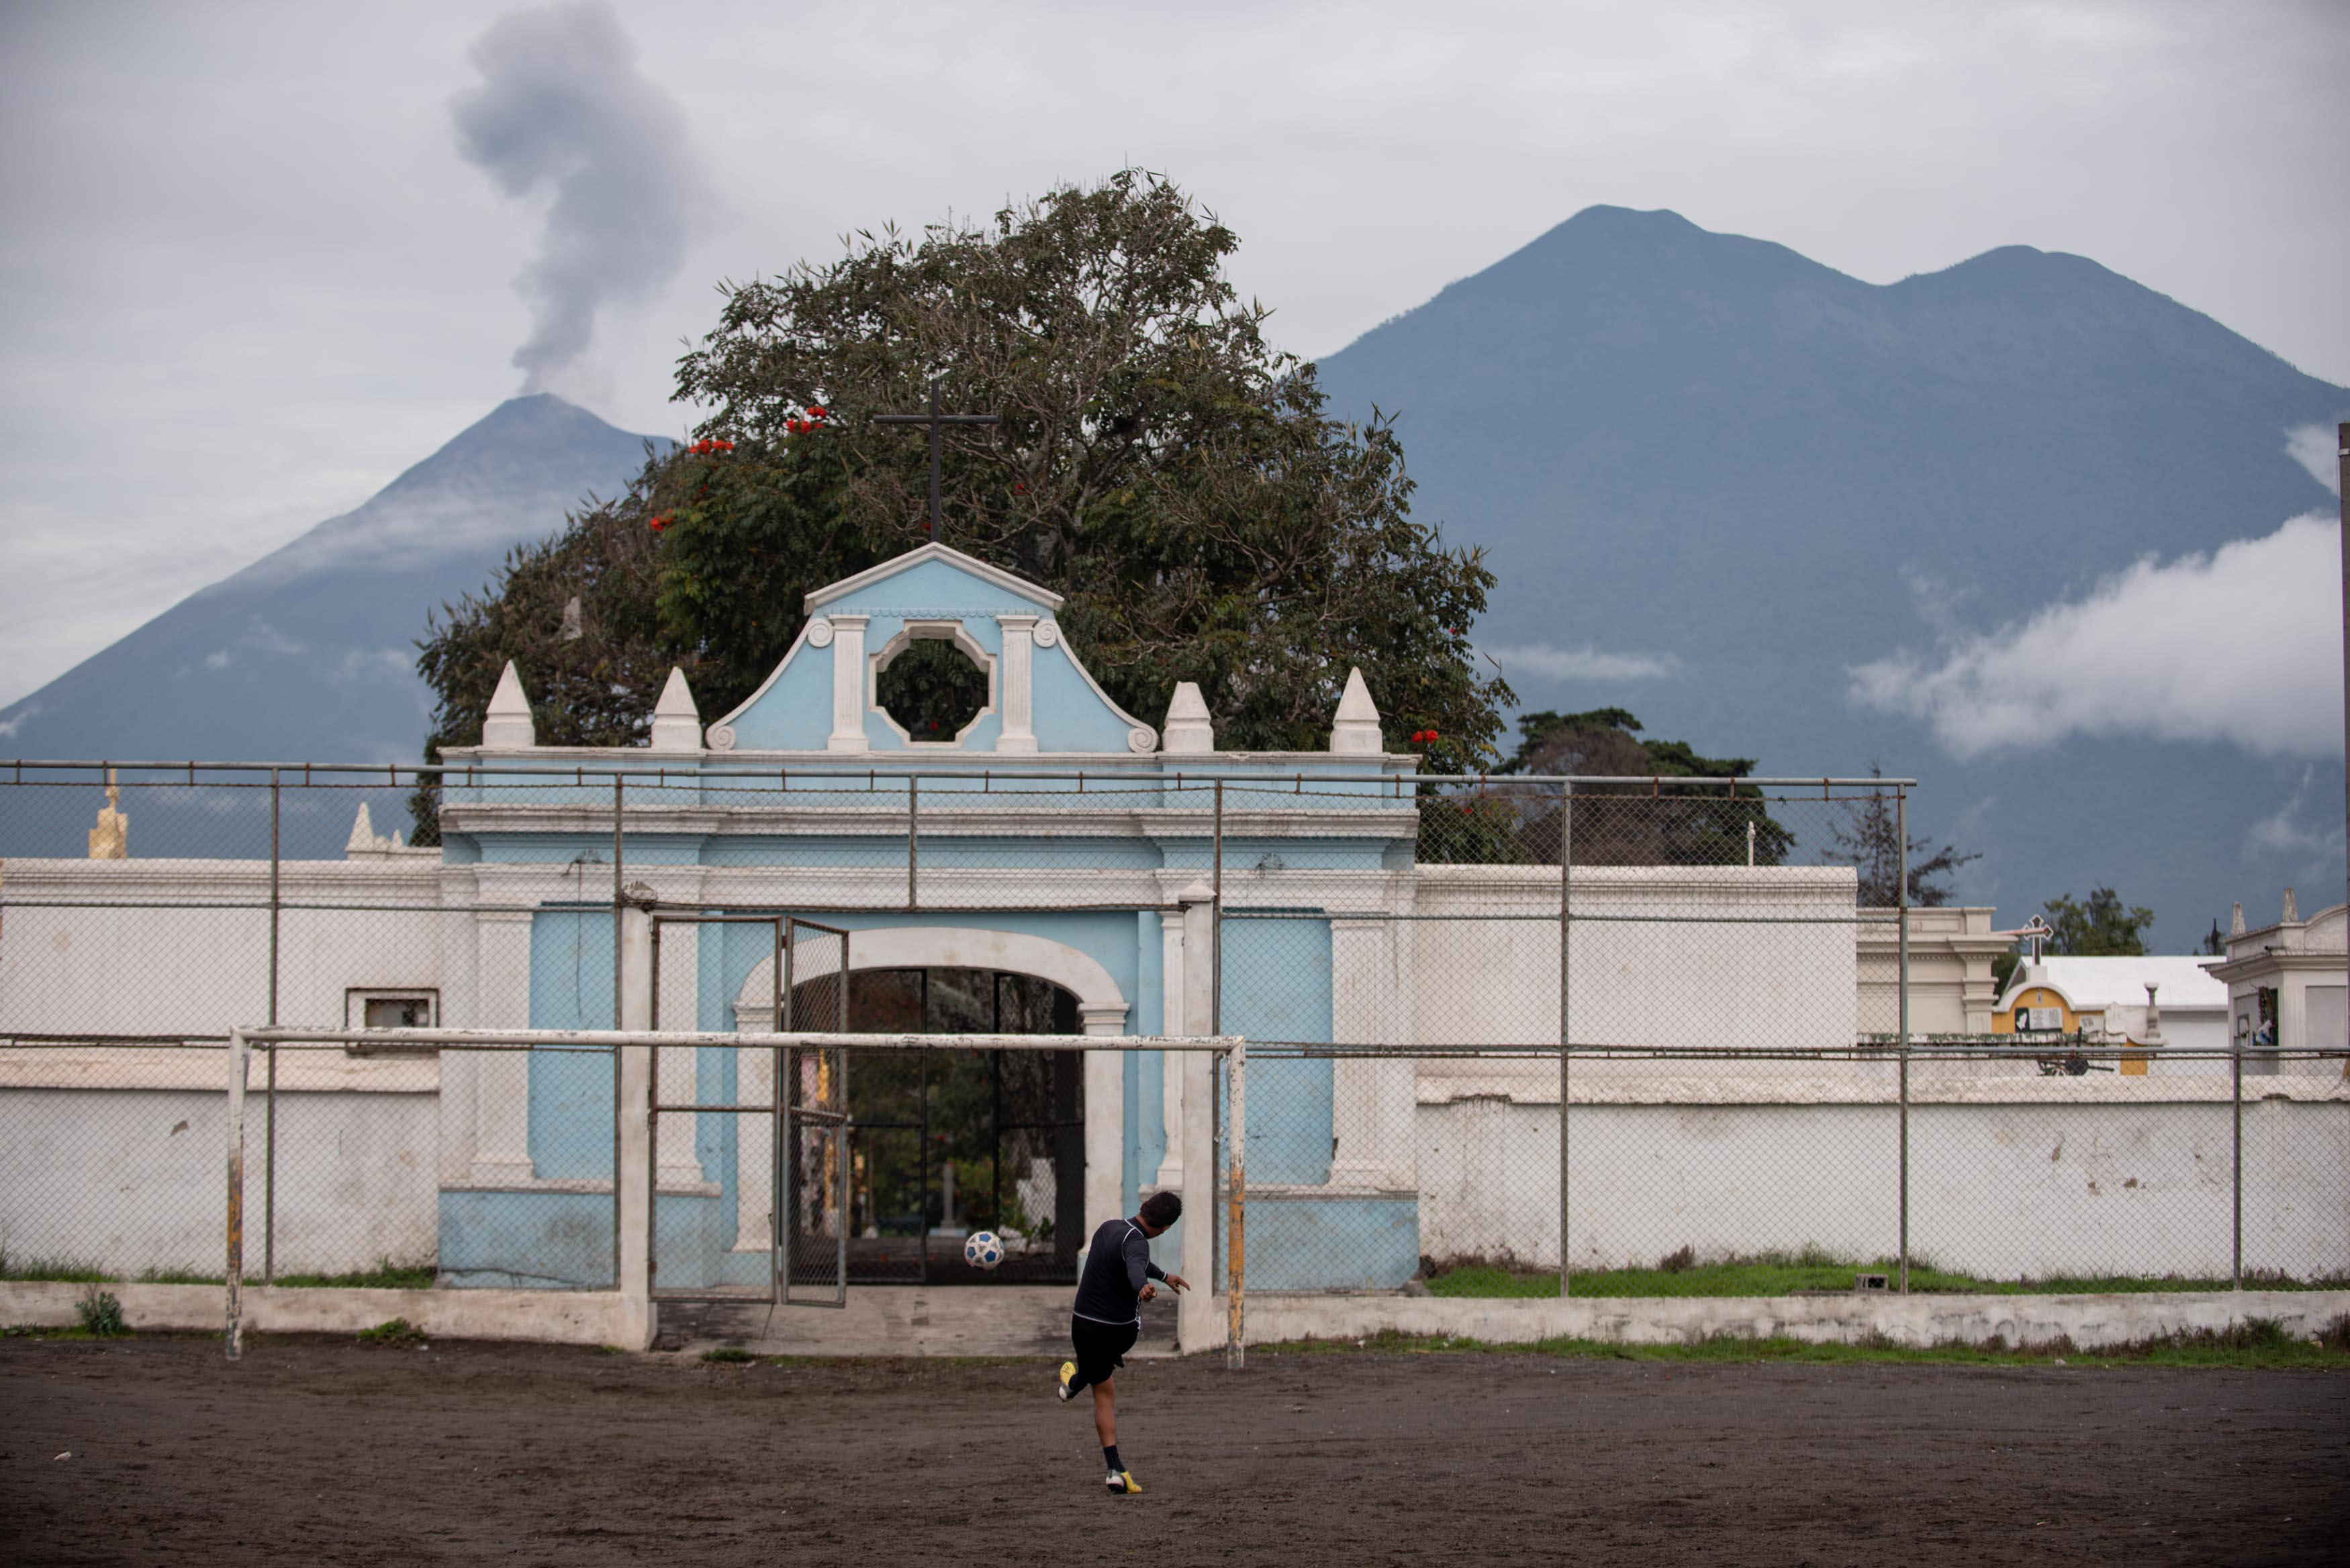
[1110,1288]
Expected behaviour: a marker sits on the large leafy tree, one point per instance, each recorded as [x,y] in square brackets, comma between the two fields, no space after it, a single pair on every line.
[577,613]
[1156,463]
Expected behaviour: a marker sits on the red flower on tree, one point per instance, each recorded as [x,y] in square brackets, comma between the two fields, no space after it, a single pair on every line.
[660,521]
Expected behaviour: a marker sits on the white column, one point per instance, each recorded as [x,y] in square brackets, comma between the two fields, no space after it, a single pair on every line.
[502,1079]
[680,1077]
[755,1151]
[1199,959]
[1371,1100]
[1018,694]
[634,1193]
[1170,1062]
[1104,1119]
[460,1070]
[755,1193]
[848,684]
[1198,1323]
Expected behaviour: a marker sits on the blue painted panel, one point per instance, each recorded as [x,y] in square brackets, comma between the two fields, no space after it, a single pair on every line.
[526,1240]
[1301,1242]
[794,712]
[1069,715]
[571,1092]
[933,590]
[1277,987]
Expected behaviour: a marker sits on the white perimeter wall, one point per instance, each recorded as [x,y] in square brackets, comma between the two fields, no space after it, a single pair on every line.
[200,969]
[1735,982]
[128,1178]
[2007,1178]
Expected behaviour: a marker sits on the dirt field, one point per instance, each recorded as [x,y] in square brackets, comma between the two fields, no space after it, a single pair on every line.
[330,1452]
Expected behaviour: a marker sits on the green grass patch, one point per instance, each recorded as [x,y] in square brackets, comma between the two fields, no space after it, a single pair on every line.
[99,1313]
[62,1270]
[396,1332]
[386,1275]
[1812,1269]
[728,1356]
[2257,1344]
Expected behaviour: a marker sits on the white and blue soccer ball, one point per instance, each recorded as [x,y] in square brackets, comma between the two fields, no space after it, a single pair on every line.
[983,1249]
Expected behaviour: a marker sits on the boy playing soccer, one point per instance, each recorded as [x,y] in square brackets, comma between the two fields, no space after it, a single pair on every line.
[1108,1317]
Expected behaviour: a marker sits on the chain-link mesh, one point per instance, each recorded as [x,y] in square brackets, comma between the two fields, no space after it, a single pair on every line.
[1631,1027]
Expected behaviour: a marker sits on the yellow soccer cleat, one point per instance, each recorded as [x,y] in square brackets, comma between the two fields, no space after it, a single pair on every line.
[1123,1484]
[1069,1370]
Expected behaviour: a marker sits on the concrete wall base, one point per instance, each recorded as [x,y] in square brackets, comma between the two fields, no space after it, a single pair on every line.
[2090,1321]
[1034,1320]
[550,1317]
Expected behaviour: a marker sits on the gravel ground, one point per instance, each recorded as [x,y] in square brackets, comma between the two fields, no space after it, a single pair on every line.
[328,1451]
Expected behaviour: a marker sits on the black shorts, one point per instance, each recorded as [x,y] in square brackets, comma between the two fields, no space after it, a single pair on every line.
[1101,1347]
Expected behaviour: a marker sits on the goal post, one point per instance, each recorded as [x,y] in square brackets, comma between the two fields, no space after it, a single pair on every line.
[641,1100]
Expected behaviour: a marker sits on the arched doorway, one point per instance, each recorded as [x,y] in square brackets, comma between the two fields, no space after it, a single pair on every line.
[946,1142]
[1021,1171]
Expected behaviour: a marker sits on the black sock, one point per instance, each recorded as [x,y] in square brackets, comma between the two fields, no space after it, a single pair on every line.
[1110,1454]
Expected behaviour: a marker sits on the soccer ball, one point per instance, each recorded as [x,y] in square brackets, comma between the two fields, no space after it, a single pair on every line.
[984,1250]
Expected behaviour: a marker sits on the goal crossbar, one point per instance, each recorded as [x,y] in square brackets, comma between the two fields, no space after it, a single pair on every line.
[525,1039]
[1232,1048]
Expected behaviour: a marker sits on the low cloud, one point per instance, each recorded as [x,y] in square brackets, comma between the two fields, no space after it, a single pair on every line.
[374,665]
[2241,645]
[2317,448]
[2290,830]
[8,727]
[1578,663]
[562,113]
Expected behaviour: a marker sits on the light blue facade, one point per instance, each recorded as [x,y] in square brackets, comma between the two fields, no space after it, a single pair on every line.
[800,802]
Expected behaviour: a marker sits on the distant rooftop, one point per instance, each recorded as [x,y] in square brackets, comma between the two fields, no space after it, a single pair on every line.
[2094,982]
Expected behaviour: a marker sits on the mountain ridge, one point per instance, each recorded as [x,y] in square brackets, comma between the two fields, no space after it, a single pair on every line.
[1763,473]
[307,653]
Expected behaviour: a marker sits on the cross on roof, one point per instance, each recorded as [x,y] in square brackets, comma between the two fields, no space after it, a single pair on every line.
[937,422]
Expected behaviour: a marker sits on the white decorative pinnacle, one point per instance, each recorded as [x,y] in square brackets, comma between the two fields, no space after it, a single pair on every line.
[507,726]
[1357,730]
[1188,728]
[677,722]
[364,842]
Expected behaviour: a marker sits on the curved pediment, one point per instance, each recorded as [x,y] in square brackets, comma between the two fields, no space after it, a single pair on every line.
[1040,698]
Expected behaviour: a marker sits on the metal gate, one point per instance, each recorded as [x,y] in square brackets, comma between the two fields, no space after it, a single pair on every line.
[750,1175]
[814,1171]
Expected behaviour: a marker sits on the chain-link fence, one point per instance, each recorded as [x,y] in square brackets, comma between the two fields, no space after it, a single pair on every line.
[1506,1034]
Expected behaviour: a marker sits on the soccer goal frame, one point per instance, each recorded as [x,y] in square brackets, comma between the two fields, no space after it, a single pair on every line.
[636,1166]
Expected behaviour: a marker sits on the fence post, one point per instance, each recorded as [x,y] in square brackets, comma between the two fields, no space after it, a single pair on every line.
[635,1119]
[913,839]
[619,787]
[2236,1166]
[1901,909]
[1236,1227]
[239,1056]
[269,1134]
[1216,925]
[1566,1031]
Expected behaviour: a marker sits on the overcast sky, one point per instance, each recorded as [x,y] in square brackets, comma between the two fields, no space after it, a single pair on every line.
[258,258]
